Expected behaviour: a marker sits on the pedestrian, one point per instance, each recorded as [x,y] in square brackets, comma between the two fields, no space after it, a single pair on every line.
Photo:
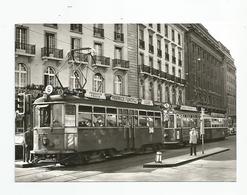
[28,144]
[193,141]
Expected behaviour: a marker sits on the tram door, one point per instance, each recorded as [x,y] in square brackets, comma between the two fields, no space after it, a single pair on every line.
[130,133]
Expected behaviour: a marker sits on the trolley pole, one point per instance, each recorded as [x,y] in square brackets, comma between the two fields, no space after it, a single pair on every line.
[202,128]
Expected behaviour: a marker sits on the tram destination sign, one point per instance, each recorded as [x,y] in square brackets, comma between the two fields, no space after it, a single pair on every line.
[120,98]
[189,108]
[96,95]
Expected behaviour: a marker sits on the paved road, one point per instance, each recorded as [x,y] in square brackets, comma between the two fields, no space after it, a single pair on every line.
[220,167]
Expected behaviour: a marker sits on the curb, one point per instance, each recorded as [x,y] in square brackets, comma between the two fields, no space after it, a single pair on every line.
[178,163]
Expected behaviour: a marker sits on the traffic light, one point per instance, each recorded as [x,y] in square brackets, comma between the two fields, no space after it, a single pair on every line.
[21,103]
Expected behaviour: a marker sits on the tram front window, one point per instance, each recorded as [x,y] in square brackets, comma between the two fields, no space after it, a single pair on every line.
[45,118]
[56,115]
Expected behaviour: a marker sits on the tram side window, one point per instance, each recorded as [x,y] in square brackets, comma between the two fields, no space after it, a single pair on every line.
[99,118]
[111,117]
[45,116]
[157,122]
[70,111]
[56,115]
[123,117]
[142,119]
[207,123]
[171,121]
[85,116]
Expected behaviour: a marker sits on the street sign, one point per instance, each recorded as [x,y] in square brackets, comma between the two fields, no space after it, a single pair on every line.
[48,89]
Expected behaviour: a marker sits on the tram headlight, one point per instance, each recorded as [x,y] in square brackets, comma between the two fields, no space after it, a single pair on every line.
[45,141]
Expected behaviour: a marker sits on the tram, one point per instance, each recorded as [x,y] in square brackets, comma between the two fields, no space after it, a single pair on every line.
[73,130]
[178,122]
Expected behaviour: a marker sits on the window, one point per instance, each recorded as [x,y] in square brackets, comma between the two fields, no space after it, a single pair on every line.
[179,55]
[142,89]
[173,51]
[49,77]
[56,115]
[173,35]
[158,27]
[167,68]
[166,30]
[159,65]
[151,97]
[180,97]
[179,39]
[167,96]
[150,39]
[166,48]
[118,53]
[142,119]
[150,25]
[20,75]
[69,118]
[150,61]
[141,59]
[76,28]
[179,73]
[159,93]
[85,116]
[50,40]
[118,85]
[118,28]
[173,71]
[75,80]
[75,43]
[111,117]
[174,97]
[141,34]
[45,116]
[21,37]
[98,83]
[99,49]
[158,44]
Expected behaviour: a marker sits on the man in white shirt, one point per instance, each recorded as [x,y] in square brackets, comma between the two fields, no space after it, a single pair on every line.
[193,141]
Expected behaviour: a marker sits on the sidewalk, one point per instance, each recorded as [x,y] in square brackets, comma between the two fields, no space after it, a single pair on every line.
[180,160]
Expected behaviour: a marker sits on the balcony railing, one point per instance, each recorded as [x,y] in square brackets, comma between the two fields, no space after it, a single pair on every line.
[98,32]
[141,44]
[118,36]
[173,59]
[151,48]
[26,48]
[180,62]
[159,52]
[177,79]
[120,64]
[51,52]
[145,69]
[163,74]
[155,72]
[183,81]
[167,56]
[173,78]
[101,60]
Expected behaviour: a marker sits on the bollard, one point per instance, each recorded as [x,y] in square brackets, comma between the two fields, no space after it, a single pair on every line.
[158,157]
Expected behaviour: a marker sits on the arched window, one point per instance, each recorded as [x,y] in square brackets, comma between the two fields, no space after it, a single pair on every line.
[159,93]
[151,91]
[142,89]
[98,83]
[174,97]
[20,75]
[180,97]
[118,85]
[75,80]
[167,97]
[49,77]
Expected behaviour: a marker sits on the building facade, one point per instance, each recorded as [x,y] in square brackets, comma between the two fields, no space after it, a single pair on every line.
[204,70]
[230,84]
[161,63]
[42,52]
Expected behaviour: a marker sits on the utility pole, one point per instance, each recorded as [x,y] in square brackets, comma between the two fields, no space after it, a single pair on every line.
[202,131]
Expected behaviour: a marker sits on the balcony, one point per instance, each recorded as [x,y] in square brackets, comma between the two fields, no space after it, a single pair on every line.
[119,37]
[163,75]
[24,49]
[151,49]
[101,61]
[159,53]
[51,53]
[145,69]
[79,58]
[177,79]
[173,59]
[120,64]
[173,78]
[180,62]
[141,44]
[98,32]
[167,56]
[155,72]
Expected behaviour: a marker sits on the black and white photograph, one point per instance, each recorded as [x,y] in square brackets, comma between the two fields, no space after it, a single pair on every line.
[120,97]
